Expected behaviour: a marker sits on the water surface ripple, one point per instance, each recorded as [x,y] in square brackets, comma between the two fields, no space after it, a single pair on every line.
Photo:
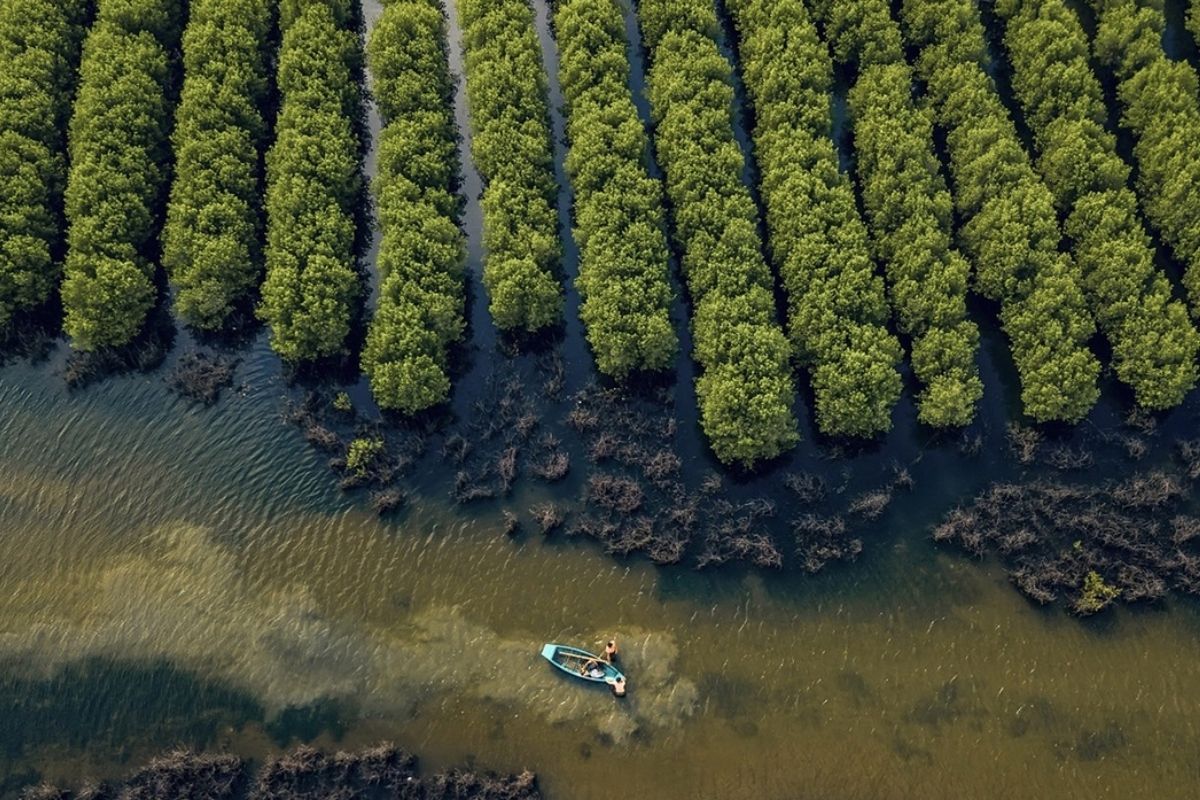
[172,573]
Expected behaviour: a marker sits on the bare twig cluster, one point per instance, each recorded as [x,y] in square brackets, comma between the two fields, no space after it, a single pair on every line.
[1055,536]
[305,773]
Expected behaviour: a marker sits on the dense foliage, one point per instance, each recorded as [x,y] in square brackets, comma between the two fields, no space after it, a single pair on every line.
[119,168]
[908,209]
[745,392]
[1162,107]
[211,240]
[39,54]
[422,250]
[1010,225]
[1153,341]
[345,12]
[511,145]
[314,185]
[619,226]
[836,303]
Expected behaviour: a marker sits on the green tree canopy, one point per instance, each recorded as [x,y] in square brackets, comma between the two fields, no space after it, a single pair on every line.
[512,149]
[1154,344]
[422,251]
[619,219]
[1193,20]
[745,391]
[314,184]
[212,247]
[119,166]
[39,54]
[1010,224]
[837,310]
[1161,103]
[908,209]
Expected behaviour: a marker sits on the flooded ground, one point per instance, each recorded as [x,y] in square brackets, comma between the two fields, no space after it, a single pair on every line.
[173,573]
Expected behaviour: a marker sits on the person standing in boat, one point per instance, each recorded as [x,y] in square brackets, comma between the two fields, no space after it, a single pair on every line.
[610,651]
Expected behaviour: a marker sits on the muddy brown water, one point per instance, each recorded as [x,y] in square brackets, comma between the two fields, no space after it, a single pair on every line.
[178,574]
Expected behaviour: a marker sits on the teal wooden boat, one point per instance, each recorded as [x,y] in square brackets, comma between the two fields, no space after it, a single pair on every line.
[571,660]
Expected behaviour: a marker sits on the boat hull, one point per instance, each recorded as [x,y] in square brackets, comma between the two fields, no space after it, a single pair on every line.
[571,659]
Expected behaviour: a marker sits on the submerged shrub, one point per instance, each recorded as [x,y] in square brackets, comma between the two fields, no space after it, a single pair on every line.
[1096,595]
[361,454]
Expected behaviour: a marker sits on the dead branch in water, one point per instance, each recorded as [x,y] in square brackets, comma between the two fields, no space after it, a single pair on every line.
[1089,544]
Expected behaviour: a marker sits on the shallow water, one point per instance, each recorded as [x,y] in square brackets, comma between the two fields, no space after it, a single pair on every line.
[177,574]
[174,574]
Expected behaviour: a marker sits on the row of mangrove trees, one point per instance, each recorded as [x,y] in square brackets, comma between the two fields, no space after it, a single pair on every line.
[1010,224]
[512,148]
[422,250]
[314,184]
[1161,106]
[623,268]
[120,159]
[39,56]
[1153,341]
[211,241]
[837,311]
[908,209]
[745,391]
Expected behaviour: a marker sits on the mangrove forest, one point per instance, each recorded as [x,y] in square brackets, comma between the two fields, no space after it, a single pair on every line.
[654,397]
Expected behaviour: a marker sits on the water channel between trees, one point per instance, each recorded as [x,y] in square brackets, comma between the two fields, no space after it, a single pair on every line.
[172,573]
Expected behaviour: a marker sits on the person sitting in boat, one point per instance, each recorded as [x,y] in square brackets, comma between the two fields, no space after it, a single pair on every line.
[591,669]
[610,651]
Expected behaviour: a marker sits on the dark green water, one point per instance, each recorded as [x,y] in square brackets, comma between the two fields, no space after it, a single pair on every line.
[177,574]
